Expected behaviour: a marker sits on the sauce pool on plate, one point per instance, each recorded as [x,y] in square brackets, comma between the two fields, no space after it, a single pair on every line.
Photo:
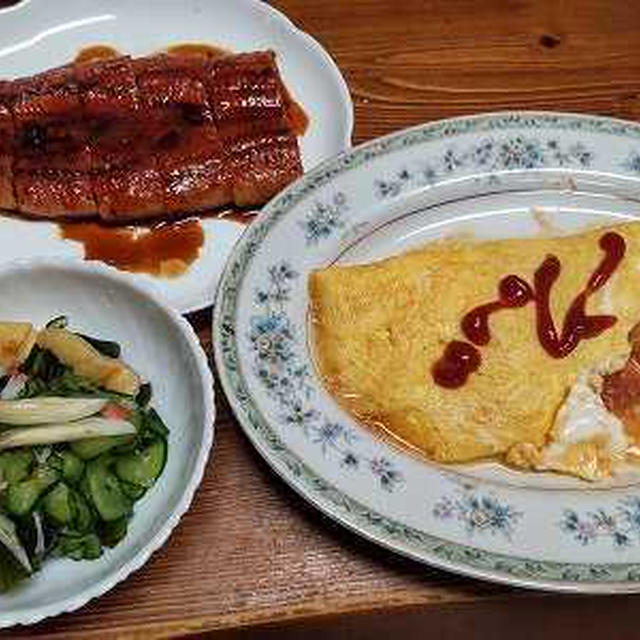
[197,49]
[165,250]
[96,52]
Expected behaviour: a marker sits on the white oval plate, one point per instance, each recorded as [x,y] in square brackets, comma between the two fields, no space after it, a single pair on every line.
[40,34]
[493,176]
[162,347]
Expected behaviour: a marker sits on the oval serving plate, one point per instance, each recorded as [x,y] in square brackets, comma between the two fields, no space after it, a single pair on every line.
[38,35]
[161,346]
[493,176]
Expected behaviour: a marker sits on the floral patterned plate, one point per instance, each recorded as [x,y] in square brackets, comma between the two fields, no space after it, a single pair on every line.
[500,175]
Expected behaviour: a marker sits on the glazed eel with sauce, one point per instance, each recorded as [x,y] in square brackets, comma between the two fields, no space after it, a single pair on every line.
[129,139]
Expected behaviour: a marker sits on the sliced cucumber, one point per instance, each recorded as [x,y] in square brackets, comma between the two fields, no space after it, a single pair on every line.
[83,517]
[16,465]
[143,467]
[93,447]
[106,494]
[112,532]
[133,491]
[72,467]
[58,504]
[77,546]
[22,496]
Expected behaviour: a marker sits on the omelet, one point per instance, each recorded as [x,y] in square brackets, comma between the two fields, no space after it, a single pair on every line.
[380,328]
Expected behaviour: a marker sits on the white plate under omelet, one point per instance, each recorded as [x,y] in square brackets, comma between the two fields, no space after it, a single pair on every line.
[495,176]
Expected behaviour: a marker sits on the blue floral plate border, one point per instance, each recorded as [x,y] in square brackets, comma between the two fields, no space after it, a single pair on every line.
[259,328]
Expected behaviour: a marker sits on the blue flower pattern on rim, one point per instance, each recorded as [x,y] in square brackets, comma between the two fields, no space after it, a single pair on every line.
[632,162]
[324,219]
[493,155]
[273,339]
[478,513]
[579,571]
[620,525]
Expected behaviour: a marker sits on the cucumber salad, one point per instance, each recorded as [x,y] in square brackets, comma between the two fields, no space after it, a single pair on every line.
[79,445]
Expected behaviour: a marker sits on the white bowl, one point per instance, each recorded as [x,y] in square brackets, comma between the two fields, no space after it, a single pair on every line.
[162,347]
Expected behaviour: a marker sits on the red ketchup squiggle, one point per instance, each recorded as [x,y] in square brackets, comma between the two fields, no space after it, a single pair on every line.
[460,359]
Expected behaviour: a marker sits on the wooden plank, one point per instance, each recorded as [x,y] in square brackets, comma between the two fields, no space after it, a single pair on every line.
[251,552]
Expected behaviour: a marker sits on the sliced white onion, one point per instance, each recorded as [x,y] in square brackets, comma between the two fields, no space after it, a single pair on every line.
[64,432]
[9,538]
[48,409]
[37,520]
[14,386]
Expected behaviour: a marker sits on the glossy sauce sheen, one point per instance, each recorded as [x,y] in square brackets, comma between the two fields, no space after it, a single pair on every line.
[198,49]
[168,249]
[164,250]
[460,359]
[94,53]
[296,116]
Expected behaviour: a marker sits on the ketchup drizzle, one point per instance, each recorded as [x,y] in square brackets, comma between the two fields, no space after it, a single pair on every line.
[460,359]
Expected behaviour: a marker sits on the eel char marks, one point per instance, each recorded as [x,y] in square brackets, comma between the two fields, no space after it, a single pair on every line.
[247,94]
[7,193]
[125,177]
[183,135]
[129,139]
[51,156]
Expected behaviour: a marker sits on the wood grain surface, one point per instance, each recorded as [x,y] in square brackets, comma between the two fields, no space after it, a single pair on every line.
[251,558]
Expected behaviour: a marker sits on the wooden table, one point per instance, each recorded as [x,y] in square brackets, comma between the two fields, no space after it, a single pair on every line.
[251,555]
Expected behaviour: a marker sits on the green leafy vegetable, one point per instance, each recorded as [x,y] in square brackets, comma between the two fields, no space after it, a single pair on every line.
[78,546]
[144,395]
[68,464]
[11,571]
[59,322]
[112,532]
[77,458]
[105,347]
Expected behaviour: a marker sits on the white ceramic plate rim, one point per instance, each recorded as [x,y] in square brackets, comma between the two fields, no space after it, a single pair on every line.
[69,604]
[425,547]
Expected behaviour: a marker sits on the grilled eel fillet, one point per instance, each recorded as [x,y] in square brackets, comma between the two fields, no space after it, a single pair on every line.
[128,139]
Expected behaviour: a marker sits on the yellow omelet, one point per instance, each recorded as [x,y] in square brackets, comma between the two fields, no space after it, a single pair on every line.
[379,328]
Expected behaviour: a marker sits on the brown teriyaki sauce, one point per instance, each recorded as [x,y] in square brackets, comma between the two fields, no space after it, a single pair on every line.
[95,53]
[460,359]
[165,249]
